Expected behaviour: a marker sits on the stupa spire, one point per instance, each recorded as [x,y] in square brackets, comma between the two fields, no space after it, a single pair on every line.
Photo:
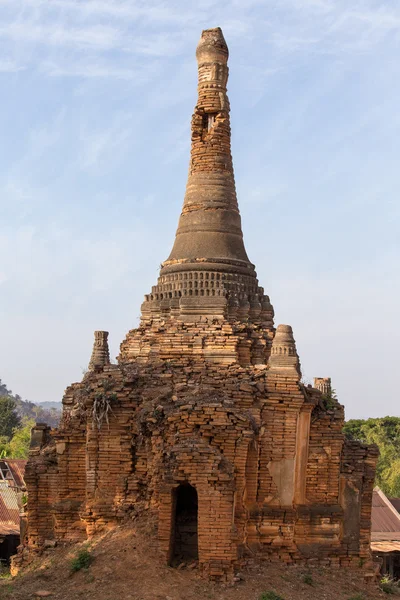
[210,226]
[208,272]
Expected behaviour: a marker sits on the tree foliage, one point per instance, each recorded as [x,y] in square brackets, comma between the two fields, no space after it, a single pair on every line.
[4,447]
[18,445]
[9,418]
[20,441]
[385,433]
[329,399]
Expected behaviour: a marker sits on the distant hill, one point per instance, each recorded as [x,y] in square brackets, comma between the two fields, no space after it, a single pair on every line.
[47,405]
[42,412]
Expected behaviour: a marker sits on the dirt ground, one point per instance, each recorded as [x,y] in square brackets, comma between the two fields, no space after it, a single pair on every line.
[126,567]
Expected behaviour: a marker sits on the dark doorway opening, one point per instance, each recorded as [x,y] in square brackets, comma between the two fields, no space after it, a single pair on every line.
[8,547]
[185,546]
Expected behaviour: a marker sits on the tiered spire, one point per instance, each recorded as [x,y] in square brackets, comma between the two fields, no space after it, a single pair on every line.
[208,271]
[210,226]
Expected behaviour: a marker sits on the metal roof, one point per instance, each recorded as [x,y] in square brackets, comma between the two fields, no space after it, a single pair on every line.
[385,546]
[385,518]
[13,470]
[9,511]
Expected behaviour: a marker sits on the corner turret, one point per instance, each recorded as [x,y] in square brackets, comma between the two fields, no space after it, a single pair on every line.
[284,357]
[100,354]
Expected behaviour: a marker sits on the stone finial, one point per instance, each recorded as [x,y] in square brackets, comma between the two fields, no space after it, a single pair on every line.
[284,357]
[212,47]
[100,354]
[323,384]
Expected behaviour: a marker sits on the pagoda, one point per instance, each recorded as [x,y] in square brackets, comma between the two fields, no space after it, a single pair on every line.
[204,425]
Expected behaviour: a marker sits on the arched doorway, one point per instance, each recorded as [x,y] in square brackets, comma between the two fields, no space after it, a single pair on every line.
[185,546]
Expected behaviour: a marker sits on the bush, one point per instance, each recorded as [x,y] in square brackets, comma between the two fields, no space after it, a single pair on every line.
[386,587]
[82,561]
[270,596]
[389,586]
[357,597]
[307,578]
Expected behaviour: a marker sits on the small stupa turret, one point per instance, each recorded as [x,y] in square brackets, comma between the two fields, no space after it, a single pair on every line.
[284,357]
[100,353]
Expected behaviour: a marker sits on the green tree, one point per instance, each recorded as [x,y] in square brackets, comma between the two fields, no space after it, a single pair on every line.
[385,433]
[4,391]
[330,400]
[20,441]
[4,447]
[9,420]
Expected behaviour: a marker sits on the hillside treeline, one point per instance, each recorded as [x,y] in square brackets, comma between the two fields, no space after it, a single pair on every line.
[17,417]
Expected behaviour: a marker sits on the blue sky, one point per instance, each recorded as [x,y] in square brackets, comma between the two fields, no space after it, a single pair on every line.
[96,103]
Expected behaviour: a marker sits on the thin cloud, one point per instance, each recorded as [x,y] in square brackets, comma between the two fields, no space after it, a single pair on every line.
[9,66]
[157,12]
[73,37]
[96,37]
[91,71]
[96,146]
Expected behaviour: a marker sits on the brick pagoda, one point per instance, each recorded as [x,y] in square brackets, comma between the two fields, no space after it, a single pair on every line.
[204,424]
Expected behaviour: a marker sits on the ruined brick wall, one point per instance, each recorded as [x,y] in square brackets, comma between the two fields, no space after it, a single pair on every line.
[216,341]
[56,478]
[246,438]
[325,447]
[356,487]
[41,483]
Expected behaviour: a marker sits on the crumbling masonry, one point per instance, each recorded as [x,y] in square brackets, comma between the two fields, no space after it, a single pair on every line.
[204,423]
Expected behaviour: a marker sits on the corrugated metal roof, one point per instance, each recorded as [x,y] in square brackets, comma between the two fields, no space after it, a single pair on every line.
[385,546]
[14,468]
[9,511]
[385,518]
